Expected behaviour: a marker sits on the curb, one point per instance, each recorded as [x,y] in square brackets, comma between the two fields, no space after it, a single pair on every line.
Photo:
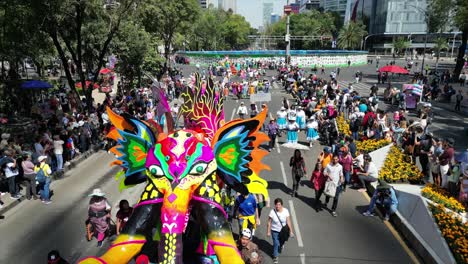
[57,175]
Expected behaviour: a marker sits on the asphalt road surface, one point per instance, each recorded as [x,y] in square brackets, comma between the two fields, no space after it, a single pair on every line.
[31,229]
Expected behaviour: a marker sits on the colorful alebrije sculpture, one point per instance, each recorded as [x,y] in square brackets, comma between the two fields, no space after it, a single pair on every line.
[180,216]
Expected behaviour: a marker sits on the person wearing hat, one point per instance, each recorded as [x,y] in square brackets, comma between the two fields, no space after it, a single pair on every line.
[312,134]
[384,195]
[242,111]
[43,173]
[445,159]
[249,250]
[281,116]
[300,117]
[292,128]
[325,157]
[99,213]
[54,258]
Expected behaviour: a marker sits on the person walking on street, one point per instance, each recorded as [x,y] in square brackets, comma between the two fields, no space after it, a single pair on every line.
[249,251]
[246,211]
[279,222]
[272,129]
[318,183]
[242,111]
[30,176]
[43,172]
[333,172]
[298,170]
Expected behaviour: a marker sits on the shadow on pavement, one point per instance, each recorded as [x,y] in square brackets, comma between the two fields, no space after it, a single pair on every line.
[279,186]
[264,245]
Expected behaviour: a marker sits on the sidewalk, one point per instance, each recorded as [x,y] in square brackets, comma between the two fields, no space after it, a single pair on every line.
[10,203]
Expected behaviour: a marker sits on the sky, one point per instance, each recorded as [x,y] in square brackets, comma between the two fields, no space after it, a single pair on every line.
[252,10]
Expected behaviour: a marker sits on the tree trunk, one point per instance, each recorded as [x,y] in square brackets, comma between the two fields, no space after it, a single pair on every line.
[461,55]
[64,61]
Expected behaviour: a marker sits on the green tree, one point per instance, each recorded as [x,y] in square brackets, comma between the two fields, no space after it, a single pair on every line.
[81,31]
[400,44]
[439,45]
[310,24]
[456,17]
[351,34]
[166,18]
[235,31]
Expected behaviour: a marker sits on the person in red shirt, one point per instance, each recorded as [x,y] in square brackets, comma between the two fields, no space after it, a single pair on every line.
[123,214]
[318,183]
[365,120]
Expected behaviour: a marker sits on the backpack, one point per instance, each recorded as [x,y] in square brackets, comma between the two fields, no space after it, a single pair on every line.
[370,121]
[40,175]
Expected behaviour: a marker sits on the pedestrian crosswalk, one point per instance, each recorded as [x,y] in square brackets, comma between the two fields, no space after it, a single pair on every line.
[362,88]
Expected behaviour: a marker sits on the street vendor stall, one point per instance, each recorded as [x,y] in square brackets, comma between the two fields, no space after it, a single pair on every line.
[413,95]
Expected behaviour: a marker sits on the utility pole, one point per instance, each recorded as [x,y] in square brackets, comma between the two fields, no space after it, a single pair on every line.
[287,37]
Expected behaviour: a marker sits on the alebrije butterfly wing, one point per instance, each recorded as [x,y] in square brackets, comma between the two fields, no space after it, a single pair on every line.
[238,156]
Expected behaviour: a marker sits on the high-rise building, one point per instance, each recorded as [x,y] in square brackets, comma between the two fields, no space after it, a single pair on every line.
[274,18]
[267,10]
[213,3]
[229,5]
[305,5]
[335,6]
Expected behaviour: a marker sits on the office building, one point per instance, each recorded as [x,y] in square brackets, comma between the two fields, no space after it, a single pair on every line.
[267,11]
[274,18]
[305,5]
[228,5]
[335,6]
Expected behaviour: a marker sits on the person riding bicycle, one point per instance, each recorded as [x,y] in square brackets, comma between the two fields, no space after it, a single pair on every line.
[246,211]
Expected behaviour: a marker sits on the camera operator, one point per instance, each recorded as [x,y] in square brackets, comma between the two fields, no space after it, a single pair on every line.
[384,195]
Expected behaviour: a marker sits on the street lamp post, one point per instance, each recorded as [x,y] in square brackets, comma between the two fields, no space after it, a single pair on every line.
[424,54]
[287,37]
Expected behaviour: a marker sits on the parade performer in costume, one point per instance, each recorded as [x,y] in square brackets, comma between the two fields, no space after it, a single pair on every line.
[292,127]
[184,172]
[281,117]
[300,118]
[312,134]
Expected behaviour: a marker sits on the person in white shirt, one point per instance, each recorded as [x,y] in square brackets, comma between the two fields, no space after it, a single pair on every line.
[242,111]
[58,151]
[175,112]
[277,219]
[370,173]
[333,172]
[11,171]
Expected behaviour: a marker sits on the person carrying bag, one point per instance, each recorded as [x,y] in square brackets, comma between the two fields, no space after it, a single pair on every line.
[279,232]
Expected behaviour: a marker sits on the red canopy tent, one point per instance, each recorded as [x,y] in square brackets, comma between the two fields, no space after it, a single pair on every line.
[78,85]
[394,69]
[105,71]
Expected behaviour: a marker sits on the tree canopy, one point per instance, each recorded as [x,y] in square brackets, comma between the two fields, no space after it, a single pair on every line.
[351,34]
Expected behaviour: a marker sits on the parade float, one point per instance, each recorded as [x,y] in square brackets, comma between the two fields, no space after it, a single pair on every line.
[180,217]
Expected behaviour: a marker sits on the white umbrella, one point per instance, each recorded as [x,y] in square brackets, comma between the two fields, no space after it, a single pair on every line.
[295,146]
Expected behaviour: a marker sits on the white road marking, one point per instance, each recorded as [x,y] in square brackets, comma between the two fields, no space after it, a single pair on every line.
[271,115]
[302,255]
[297,231]
[278,147]
[285,180]
[233,113]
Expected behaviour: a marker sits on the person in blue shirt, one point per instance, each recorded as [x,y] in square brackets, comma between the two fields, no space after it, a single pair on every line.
[246,211]
[385,196]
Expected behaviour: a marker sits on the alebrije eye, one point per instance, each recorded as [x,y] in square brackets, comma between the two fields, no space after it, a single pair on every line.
[167,158]
[153,171]
[188,134]
[200,169]
[176,134]
[187,157]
